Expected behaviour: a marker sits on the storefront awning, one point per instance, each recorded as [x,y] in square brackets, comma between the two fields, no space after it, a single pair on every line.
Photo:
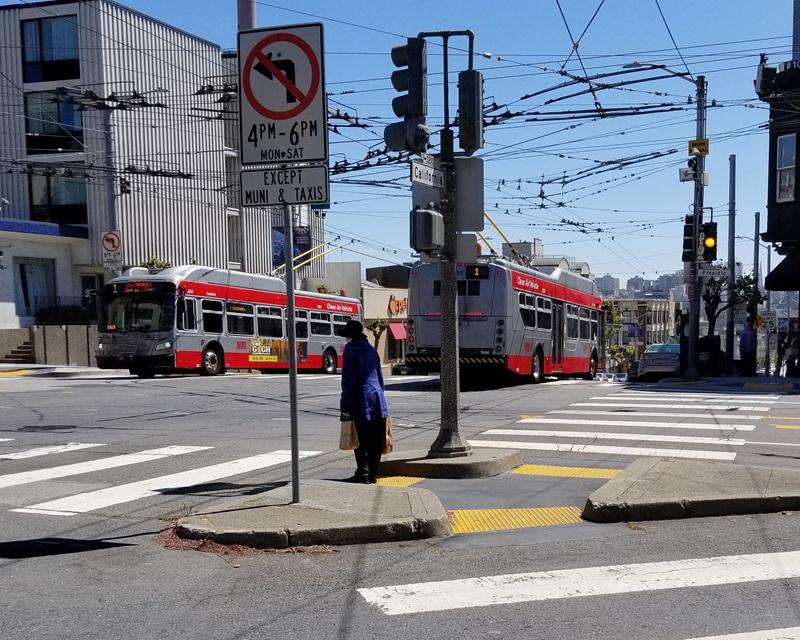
[786,276]
[398,330]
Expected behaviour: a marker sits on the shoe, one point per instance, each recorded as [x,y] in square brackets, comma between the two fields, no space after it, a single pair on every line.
[372,480]
[357,479]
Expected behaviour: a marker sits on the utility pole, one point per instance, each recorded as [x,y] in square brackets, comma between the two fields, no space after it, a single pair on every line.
[694,286]
[769,329]
[730,328]
[246,14]
[755,269]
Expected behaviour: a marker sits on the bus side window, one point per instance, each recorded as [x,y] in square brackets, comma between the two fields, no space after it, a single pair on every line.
[572,321]
[212,316]
[338,323]
[584,324]
[320,323]
[544,318]
[187,320]
[270,322]
[527,310]
[240,319]
[594,326]
[301,324]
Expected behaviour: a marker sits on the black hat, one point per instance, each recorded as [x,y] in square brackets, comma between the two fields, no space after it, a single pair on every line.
[353,330]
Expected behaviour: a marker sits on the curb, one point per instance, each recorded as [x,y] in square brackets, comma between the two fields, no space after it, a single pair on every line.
[481,463]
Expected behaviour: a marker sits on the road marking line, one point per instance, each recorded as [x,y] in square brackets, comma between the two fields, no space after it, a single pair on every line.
[6,439]
[629,423]
[540,586]
[523,418]
[13,373]
[566,472]
[651,394]
[698,401]
[775,444]
[786,426]
[482,520]
[43,451]
[93,500]
[25,477]
[599,435]
[398,481]
[576,447]
[716,407]
[658,414]
[789,633]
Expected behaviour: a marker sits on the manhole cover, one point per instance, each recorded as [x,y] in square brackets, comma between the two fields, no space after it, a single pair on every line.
[47,427]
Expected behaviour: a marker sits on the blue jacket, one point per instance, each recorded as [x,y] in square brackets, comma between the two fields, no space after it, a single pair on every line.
[362,383]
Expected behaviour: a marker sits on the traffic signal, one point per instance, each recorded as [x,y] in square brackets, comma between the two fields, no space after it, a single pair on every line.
[708,236]
[689,247]
[412,77]
[470,110]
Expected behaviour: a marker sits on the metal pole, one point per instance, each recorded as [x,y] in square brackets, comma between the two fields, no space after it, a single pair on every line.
[246,13]
[769,295]
[288,246]
[730,328]
[448,442]
[796,31]
[755,271]
[694,286]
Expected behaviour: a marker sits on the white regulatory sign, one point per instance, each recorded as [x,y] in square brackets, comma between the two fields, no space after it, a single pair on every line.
[423,174]
[282,101]
[111,243]
[285,185]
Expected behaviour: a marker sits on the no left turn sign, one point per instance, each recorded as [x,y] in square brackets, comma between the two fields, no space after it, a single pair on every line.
[282,100]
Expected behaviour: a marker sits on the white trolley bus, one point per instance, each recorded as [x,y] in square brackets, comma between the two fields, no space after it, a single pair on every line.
[193,318]
[520,319]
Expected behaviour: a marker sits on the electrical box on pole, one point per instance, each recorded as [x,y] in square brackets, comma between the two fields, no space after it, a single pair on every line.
[411,78]
[427,230]
[689,246]
[470,111]
[708,238]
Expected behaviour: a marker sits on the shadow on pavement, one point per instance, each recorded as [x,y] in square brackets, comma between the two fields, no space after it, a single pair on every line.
[39,547]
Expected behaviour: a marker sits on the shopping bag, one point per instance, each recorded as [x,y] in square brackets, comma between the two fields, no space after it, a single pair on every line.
[348,438]
[388,445]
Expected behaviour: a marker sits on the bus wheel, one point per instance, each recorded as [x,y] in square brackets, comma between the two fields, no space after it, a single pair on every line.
[592,369]
[329,364]
[537,370]
[212,362]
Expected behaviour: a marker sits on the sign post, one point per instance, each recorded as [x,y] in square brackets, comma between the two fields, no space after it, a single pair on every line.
[283,119]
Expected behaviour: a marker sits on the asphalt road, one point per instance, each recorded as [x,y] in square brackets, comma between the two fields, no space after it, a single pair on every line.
[80,556]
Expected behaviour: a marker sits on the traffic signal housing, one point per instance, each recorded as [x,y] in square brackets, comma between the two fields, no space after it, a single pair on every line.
[411,78]
[689,247]
[708,238]
[470,111]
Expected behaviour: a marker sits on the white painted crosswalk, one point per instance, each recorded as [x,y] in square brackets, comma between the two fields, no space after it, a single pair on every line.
[692,425]
[586,582]
[44,451]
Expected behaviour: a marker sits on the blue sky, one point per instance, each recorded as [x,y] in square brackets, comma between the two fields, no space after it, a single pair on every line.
[632,215]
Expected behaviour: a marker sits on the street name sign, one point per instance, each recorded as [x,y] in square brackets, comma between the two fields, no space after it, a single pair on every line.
[274,187]
[713,272]
[282,101]
[421,173]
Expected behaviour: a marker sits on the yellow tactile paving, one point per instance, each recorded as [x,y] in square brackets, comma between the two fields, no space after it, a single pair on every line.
[565,472]
[482,520]
[398,481]
[15,372]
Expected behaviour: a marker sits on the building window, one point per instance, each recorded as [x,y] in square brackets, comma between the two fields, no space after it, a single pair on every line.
[50,49]
[785,168]
[58,196]
[52,125]
[35,284]
[234,237]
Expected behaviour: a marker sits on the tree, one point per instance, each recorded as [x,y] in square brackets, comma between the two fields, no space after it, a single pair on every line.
[154,264]
[744,292]
[377,329]
[623,355]
[613,320]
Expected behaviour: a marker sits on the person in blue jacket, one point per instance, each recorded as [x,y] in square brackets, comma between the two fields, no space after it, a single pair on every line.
[363,401]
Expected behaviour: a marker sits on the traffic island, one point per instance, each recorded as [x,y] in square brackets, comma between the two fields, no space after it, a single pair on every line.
[665,489]
[480,463]
[330,513]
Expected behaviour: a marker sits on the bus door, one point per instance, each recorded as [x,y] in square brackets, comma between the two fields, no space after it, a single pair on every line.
[558,336]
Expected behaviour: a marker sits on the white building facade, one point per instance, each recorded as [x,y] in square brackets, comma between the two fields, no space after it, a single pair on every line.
[112,120]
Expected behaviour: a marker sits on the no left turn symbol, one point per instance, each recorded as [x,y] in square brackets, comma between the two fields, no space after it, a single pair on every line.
[292,71]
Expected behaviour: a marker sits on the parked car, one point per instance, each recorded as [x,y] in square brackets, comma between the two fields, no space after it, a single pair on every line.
[660,359]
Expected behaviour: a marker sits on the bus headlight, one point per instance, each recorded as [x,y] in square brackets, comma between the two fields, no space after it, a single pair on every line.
[100,346]
[166,344]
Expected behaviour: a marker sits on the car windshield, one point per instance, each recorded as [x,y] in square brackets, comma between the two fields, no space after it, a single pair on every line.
[664,348]
[137,308]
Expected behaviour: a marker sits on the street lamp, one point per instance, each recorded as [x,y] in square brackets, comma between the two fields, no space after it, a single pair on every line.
[694,287]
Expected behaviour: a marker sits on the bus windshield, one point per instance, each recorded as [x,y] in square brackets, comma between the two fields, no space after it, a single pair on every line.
[138,307]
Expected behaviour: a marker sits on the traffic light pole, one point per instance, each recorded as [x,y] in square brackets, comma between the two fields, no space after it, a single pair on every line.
[694,284]
[448,442]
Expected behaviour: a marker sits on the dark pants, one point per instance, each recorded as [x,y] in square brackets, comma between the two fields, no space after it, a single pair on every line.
[748,363]
[371,441]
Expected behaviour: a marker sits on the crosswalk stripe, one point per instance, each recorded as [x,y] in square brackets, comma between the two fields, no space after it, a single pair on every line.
[634,405]
[596,435]
[93,500]
[6,439]
[43,451]
[576,447]
[788,633]
[657,414]
[51,473]
[700,402]
[630,423]
[715,396]
[538,586]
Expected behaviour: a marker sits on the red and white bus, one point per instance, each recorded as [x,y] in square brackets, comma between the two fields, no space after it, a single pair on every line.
[193,318]
[521,319]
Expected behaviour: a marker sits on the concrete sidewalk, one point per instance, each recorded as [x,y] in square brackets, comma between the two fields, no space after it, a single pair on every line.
[329,513]
[664,489]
